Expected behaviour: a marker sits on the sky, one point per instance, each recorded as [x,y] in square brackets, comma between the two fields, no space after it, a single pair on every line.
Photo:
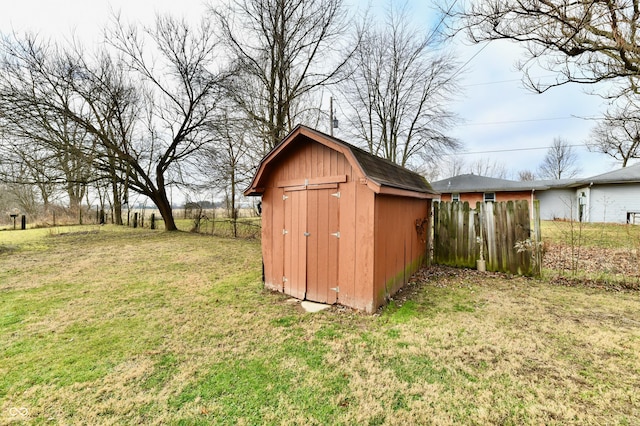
[500,120]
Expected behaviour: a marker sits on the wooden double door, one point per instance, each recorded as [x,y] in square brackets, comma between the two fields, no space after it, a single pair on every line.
[311,235]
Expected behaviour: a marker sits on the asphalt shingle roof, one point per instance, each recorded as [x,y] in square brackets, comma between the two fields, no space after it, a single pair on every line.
[475,183]
[381,171]
[623,175]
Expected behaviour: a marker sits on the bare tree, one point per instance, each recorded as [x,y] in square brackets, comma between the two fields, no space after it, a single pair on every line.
[526,175]
[145,113]
[44,153]
[282,50]
[488,167]
[227,161]
[583,41]
[448,166]
[560,161]
[398,88]
[618,135]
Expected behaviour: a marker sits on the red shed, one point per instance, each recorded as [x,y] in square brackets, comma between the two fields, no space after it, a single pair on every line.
[339,225]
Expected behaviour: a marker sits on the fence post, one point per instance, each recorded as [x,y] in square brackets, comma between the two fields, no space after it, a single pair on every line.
[153,221]
[537,239]
[24,222]
[135,220]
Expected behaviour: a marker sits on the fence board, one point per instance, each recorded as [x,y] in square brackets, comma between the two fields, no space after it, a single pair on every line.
[491,231]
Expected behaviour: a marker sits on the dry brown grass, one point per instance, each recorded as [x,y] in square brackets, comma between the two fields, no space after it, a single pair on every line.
[140,327]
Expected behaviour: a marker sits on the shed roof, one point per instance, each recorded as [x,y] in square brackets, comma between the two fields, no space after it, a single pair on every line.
[382,176]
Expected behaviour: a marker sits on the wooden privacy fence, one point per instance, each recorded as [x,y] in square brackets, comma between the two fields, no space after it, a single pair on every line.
[500,233]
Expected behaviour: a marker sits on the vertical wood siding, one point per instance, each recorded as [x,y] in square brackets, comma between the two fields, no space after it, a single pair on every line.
[400,246]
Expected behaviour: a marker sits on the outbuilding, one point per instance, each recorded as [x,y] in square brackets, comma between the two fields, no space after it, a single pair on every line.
[339,225]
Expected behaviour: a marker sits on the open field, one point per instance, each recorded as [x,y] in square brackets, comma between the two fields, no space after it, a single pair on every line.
[107,325]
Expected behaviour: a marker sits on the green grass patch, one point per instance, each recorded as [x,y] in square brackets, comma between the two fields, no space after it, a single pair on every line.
[124,326]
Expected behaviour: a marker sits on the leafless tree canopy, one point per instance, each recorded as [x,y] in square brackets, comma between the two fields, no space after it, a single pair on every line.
[139,116]
[618,135]
[584,41]
[560,162]
[281,51]
[526,175]
[398,88]
[488,167]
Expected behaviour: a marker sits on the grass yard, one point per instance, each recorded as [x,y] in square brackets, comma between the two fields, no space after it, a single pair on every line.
[107,325]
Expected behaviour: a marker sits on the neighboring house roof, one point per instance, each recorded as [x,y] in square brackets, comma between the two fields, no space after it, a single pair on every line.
[627,174]
[381,172]
[475,183]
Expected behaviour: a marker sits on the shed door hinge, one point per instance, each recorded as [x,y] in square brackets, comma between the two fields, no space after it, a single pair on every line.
[336,289]
[284,279]
[306,234]
[284,197]
[285,232]
[336,194]
[336,234]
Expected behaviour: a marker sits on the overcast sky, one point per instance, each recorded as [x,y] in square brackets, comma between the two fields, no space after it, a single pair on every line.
[501,120]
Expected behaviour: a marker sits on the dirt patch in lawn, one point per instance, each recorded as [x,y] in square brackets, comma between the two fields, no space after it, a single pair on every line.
[610,268]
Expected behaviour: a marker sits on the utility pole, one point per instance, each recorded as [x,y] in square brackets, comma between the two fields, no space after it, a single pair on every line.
[331,115]
[333,122]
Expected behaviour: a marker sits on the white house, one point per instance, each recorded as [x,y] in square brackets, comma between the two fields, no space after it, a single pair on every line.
[610,197]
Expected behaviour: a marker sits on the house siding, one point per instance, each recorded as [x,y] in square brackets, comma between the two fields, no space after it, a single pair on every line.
[477,197]
[557,203]
[610,203]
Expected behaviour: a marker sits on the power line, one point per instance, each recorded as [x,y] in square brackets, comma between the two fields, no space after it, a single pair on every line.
[490,123]
[488,83]
[508,150]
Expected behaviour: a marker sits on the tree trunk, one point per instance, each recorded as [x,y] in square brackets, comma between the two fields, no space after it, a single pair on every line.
[234,213]
[117,202]
[164,207]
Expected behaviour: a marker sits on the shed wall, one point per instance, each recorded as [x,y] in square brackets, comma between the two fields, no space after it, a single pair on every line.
[357,220]
[400,245]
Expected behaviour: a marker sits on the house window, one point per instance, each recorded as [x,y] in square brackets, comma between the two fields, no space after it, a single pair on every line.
[489,197]
[455,197]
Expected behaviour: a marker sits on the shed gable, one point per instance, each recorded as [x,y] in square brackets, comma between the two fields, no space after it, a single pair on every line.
[308,162]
